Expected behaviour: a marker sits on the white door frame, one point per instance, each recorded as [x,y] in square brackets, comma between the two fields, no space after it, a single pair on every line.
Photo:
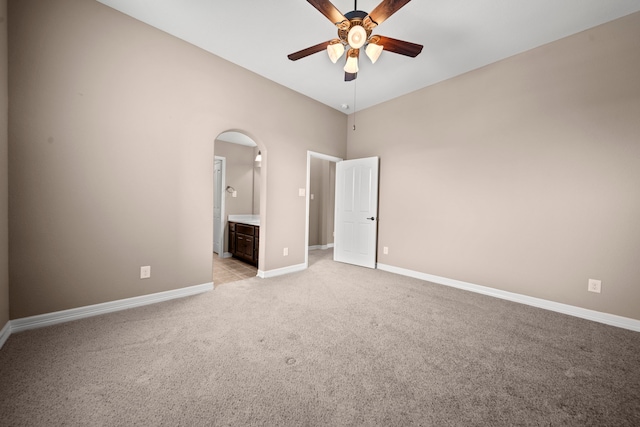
[223,185]
[311,154]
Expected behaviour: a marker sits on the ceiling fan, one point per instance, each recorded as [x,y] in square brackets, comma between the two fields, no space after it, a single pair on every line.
[354,32]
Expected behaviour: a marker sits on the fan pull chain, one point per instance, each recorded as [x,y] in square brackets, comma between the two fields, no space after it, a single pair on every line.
[354,105]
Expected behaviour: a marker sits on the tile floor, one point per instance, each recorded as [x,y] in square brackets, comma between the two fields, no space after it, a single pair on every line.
[227,270]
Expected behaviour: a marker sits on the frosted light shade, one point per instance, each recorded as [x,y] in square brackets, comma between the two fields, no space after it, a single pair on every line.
[352,63]
[335,51]
[357,36]
[373,51]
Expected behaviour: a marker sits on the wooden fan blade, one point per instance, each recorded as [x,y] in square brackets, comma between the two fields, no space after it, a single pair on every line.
[385,9]
[308,51]
[329,10]
[399,46]
[350,76]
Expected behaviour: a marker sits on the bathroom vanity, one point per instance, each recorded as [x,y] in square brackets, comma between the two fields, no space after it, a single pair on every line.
[244,237]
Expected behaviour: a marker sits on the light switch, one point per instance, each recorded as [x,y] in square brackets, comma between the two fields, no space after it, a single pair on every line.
[301,192]
[234,194]
[311,195]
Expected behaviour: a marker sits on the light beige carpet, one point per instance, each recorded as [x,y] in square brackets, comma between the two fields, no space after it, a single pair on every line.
[333,345]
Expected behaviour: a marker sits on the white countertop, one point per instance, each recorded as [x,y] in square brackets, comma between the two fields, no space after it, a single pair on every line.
[245,219]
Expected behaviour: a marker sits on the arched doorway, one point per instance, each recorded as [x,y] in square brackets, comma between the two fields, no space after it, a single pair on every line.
[237,190]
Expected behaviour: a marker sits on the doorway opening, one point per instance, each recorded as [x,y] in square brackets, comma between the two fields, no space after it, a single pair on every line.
[237,187]
[320,192]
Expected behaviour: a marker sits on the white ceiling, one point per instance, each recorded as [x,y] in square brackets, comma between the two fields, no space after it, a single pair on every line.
[458,36]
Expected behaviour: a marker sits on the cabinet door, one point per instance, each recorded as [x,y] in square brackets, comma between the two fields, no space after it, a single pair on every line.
[244,246]
[240,244]
[247,246]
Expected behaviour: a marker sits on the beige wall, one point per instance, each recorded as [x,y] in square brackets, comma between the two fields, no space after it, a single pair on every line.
[239,175]
[4,234]
[315,205]
[523,175]
[111,156]
[321,208]
[329,196]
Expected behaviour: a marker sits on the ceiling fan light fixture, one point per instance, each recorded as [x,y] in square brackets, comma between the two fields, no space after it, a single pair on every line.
[335,49]
[354,33]
[357,36]
[352,61]
[373,51]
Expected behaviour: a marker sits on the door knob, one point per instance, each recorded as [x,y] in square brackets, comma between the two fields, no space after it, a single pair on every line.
[372,218]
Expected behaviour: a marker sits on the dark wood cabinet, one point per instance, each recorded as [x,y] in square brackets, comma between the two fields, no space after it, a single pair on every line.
[244,241]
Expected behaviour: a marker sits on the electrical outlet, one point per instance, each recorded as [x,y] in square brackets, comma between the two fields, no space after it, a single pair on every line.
[285,251]
[385,250]
[145,272]
[595,285]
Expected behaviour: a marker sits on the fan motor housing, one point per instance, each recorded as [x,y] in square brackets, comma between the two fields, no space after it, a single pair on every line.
[355,17]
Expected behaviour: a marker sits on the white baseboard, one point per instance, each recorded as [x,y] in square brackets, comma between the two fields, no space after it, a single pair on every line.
[596,316]
[322,247]
[281,271]
[49,319]
[4,333]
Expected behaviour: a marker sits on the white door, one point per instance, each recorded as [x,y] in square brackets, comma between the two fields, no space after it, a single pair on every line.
[356,212]
[217,206]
